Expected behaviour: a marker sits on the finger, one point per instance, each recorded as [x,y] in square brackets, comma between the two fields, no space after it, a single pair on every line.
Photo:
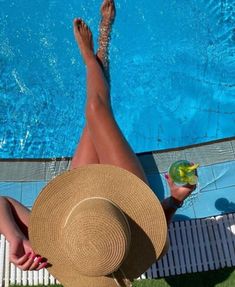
[169,180]
[19,261]
[36,263]
[41,266]
[28,263]
[191,187]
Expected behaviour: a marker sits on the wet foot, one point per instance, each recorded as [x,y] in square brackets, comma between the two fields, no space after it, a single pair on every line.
[83,37]
[108,14]
[108,11]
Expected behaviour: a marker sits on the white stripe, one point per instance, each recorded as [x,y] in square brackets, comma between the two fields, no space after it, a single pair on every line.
[7,265]
[212,243]
[160,269]
[186,246]
[30,278]
[13,274]
[218,243]
[224,241]
[165,266]
[202,245]
[180,247]
[229,236]
[174,249]
[154,270]
[171,261]
[2,257]
[208,247]
[46,277]
[18,276]
[196,246]
[35,278]
[191,245]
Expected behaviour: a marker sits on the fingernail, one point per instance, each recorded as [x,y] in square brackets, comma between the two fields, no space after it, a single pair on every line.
[44,264]
[39,259]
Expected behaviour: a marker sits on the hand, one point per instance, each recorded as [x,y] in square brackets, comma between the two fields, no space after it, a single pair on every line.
[180,193]
[22,255]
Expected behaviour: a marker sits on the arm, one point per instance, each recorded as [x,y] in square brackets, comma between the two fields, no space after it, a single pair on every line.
[8,226]
[14,225]
[16,217]
[176,200]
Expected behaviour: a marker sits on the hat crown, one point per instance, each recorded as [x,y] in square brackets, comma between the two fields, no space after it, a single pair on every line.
[96,237]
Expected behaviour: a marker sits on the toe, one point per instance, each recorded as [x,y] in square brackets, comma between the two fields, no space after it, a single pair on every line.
[77,23]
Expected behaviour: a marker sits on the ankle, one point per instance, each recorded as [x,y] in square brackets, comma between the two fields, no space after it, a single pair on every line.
[106,23]
[90,60]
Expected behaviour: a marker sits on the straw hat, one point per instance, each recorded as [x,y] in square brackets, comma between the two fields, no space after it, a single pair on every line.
[98,226]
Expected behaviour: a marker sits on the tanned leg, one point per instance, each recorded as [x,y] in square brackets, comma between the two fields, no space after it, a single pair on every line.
[110,144]
[86,152]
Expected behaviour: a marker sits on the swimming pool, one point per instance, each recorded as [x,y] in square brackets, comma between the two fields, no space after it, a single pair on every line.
[172,73]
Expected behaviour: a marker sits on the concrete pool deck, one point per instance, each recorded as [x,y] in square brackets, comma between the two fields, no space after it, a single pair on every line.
[24,179]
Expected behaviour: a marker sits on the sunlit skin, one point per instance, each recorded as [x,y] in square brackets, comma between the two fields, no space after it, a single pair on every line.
[101,142]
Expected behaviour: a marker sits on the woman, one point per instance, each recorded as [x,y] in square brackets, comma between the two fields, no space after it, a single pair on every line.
[94,147]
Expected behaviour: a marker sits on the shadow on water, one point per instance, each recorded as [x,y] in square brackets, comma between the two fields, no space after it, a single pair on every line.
[224,205]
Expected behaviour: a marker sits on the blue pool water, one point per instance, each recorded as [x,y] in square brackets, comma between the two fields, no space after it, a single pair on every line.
[172,74]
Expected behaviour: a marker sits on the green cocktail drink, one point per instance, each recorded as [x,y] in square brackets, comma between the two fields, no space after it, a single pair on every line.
[183,172]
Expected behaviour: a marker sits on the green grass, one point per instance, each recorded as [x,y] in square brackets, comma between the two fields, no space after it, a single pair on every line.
[219,278]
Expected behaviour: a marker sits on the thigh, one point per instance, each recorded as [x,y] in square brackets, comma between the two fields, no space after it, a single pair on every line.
[85,152]
[111,145]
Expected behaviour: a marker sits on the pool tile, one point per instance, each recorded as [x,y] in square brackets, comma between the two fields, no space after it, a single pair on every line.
[164,160]
[22,171]
[185,213]
[30,191]
[233,147]
[206,181]
[204,206]
[215,202]
[11,189]
[224,174]
[225,201]
[40,186]
[56,167]
[211,153]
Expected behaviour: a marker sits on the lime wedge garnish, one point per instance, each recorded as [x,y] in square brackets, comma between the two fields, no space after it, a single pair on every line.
[192,167]
[192,179]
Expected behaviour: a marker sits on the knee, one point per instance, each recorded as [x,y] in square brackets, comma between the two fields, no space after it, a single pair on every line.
[95,107]
[3,199]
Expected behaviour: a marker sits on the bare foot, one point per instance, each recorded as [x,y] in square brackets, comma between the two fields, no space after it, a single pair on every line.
[108,10]
[83,37]
[108,14]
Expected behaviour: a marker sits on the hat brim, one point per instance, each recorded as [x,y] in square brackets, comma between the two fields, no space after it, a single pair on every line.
[140,205]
